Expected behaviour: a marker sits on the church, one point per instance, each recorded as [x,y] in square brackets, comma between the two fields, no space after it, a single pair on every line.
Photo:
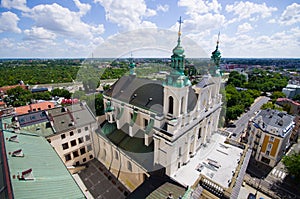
[152,125]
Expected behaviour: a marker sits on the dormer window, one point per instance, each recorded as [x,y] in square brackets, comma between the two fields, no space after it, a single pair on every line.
[17,153]
[14,138]
[27,175]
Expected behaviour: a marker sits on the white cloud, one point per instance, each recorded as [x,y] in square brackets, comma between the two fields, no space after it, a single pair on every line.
[291,15]
[83,7]
[60,20]
[196,7]
[16,4]
[247,9]
[243,28]
[163,8]
[39,33]
[127,14]
[9,22]
[199,23]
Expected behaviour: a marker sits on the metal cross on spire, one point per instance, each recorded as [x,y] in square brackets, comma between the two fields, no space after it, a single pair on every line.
[218,41]
[180,22]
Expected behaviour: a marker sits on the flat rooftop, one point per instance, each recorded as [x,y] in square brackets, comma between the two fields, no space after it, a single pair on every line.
[224,156]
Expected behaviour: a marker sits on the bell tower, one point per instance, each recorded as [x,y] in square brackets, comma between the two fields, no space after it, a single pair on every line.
[176,86]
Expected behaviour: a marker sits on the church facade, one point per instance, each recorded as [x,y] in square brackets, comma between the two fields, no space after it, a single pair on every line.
[154,124]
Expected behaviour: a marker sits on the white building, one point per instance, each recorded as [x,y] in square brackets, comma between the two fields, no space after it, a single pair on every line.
[152,125]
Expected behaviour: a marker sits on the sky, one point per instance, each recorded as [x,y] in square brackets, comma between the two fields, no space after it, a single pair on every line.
[76,28]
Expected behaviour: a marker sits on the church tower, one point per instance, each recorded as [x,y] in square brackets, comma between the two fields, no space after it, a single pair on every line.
[216,57]
[176,86]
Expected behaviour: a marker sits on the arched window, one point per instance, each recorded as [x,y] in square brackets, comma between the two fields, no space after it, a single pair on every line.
[129,166]
[182,104]
[171,105]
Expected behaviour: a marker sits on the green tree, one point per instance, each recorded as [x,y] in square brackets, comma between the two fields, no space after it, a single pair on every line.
[236,79]
[61,93]
[277,94]
[296,97]
[292,163]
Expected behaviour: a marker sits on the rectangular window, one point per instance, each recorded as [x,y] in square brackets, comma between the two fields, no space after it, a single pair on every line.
[145,123]
[73,143]
[39,109]
[86,128]
[75,154]
[79,130]
[65,146]
[84,159]
[82,151]
[68,157]
[89,147]
[267,153]
[80,140]
[272,139]
[63,136]
[179,152]
[71,133]
[87,138]
[131,116]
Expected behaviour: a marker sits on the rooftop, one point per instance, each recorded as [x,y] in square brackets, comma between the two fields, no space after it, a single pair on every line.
[35,170]
[72,116]
[144,93]
[217,161]
[132,146]
[274,121]
[34,107]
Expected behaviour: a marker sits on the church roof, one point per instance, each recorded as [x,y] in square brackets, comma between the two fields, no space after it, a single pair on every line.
[144,93]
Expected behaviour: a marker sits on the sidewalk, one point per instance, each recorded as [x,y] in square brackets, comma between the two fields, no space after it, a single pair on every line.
[245,190]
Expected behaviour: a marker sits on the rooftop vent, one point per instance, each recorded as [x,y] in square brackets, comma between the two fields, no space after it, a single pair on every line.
[27,175]
[17,153]
[14,138]
[280,122]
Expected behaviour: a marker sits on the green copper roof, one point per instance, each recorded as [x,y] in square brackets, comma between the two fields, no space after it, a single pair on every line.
[51,179]
[177,77]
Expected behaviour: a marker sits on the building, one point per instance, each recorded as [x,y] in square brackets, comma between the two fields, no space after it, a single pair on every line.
[68,129]
[34,107]
[163,126]
[292,106]
[31,168]
[4,89]
[291,90]
[72,126]
[269,135]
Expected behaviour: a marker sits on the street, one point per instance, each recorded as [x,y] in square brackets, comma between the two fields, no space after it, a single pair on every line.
[242,121]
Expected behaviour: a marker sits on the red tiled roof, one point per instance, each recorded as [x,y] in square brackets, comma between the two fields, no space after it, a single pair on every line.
[6,88]
[34,107]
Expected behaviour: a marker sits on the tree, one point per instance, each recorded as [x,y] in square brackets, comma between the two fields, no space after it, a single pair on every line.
[61,93]
[296,97]
[277,94]
[236,79]
[17,96]
[292,163]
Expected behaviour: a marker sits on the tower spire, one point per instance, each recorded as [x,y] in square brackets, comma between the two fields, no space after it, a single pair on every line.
[216,57]
[179,30]
[131,65]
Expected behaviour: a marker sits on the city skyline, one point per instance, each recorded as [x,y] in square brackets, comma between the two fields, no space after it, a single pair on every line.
[73,29]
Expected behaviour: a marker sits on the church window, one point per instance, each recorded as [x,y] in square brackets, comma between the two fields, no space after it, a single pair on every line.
[171,104]
[199,132]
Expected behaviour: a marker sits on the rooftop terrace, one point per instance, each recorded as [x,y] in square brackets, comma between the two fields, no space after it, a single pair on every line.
[217,161]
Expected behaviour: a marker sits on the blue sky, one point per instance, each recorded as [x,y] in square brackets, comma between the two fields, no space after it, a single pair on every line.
[74,28]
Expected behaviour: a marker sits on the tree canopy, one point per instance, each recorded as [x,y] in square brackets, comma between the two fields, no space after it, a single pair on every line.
[292,163]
